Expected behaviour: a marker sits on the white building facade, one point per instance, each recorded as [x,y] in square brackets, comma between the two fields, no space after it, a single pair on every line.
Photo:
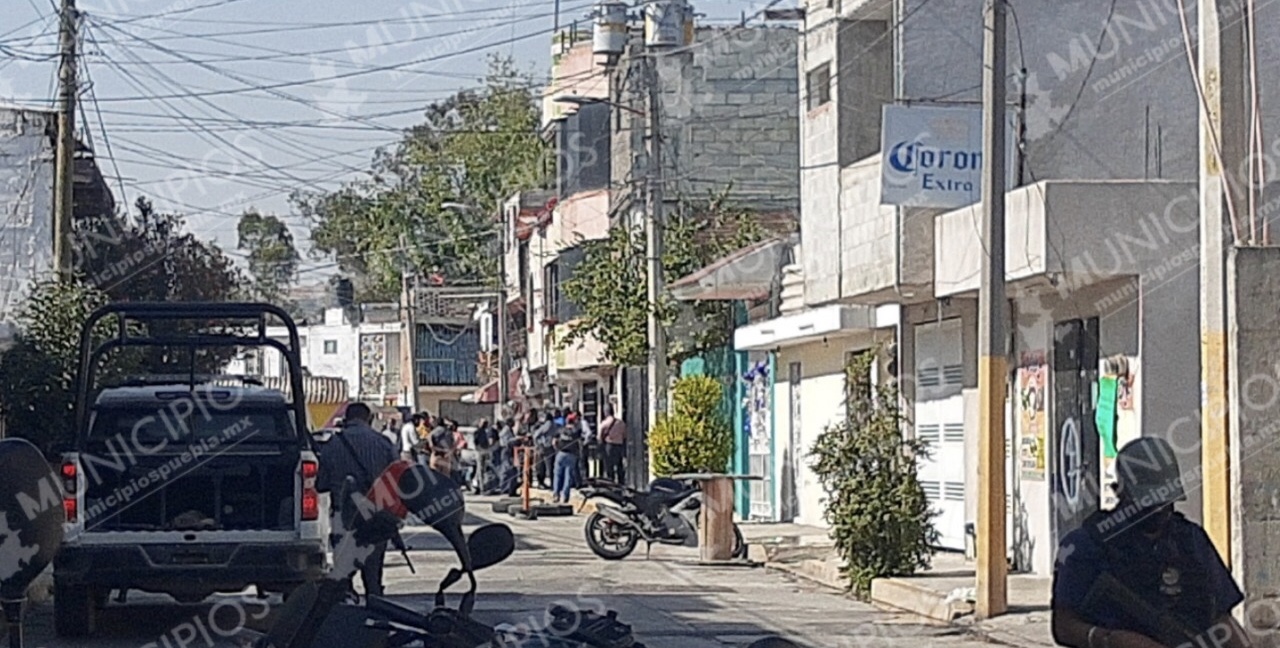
[367,355]
[1100,248]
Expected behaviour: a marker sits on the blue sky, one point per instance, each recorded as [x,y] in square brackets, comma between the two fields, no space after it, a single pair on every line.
[213,106]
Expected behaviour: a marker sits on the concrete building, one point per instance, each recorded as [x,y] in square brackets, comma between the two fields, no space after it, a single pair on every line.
[729,121]
[1100,247]
[362,350]
[727,102]
[27,145]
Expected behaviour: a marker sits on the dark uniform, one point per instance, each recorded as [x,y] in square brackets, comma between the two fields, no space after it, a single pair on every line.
[1179,572]
[362,453]
[1160,557]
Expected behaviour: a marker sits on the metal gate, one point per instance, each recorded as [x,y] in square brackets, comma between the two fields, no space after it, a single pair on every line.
[760,431]
[1074,446]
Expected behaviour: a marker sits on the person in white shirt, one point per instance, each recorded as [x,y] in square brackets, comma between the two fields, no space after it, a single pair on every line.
[408,441]
[389,428]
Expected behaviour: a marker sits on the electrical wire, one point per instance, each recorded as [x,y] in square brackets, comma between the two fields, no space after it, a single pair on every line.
[176,12]
[1257,166]
[335,77]
[1211,128]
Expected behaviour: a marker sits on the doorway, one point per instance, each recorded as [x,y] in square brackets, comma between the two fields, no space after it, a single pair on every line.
[1074,444]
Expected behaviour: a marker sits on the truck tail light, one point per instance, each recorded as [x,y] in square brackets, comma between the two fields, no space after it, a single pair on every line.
[70,484]
[310,497]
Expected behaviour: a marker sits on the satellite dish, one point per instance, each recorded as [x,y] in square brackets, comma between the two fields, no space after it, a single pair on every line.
[31,518]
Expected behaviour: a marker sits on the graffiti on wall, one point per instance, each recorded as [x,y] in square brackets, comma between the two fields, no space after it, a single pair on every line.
[373,364]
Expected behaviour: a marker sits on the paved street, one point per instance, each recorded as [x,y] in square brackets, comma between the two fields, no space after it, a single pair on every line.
[668,599]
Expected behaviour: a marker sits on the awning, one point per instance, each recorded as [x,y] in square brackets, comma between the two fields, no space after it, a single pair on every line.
[813,325]
[488,394]
[747,274]
[316,389]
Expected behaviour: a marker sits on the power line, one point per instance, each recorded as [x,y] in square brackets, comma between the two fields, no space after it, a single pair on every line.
[335,77]
[176,12]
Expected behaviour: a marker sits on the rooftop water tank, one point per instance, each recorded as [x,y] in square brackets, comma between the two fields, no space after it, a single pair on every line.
[609,36]
[665,23]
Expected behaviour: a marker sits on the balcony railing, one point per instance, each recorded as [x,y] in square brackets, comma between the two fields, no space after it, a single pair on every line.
[447,373]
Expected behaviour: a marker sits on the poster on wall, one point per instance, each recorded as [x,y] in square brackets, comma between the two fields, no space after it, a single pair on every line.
[1033,382]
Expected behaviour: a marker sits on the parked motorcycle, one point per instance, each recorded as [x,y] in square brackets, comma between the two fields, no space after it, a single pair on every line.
[665,513]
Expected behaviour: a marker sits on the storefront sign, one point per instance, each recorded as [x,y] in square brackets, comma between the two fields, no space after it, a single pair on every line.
[1033,381]
[932,156]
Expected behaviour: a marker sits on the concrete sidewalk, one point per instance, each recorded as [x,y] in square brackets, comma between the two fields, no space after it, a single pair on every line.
[944,593]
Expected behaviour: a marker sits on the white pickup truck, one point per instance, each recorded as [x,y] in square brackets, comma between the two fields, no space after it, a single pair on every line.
[186,490]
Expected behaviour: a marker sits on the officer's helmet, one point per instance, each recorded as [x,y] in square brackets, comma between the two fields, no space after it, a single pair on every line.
[1147,473]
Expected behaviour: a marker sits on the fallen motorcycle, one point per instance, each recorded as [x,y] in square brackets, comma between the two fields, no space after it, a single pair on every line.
[666,513]
[328,613]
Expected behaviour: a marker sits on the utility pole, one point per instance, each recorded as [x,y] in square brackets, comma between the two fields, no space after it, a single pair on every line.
[1223,128]
[64,197]
[503,396]
[410,289]
[654,246]
[993,567]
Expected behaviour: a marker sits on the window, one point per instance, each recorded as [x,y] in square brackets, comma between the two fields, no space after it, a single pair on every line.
[583,155]
[551,291]
[523,271]
[330,347]
[559,307]
[818,83]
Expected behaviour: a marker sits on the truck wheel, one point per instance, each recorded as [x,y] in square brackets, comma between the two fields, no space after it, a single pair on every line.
[74,609]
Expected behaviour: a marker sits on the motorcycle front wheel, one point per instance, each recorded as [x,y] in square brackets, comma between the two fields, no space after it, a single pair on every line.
[608,539]
[739,544]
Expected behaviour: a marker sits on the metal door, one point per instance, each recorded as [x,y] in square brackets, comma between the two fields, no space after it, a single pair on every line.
[1074,444]
[760,450]
[790,494]
[939,423]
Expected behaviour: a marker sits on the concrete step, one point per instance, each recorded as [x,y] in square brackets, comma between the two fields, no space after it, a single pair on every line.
[825,572]
[903,594]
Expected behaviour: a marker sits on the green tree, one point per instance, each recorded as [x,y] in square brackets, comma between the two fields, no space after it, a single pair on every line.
[273,258]
[149,256]
[695,436]
[38,372]
[475,148]
[879,515]
[144,256]
[610,287]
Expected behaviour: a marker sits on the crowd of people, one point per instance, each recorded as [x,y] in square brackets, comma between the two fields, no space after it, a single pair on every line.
[563,449]
[560,445]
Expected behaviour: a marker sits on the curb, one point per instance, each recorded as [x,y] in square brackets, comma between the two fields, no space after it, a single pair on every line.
[902,594]
[575,501]
[814,571]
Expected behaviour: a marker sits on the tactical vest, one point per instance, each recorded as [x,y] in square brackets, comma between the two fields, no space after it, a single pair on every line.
[1165,572]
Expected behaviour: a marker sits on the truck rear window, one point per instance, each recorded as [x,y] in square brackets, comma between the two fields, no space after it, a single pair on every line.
[143,426]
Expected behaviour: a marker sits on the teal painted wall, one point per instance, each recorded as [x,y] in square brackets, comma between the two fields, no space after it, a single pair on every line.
[728,366]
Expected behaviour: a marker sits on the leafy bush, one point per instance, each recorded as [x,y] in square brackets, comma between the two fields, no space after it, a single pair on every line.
[694,436]
[37,373]
[880,517]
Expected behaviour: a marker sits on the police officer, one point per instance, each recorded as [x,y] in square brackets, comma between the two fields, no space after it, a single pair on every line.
[1164,559]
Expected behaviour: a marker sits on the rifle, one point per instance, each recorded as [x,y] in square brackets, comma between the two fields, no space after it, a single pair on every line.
[1158,624]
[396,540]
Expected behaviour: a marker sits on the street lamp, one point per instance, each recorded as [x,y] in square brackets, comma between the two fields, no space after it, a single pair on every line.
[577,100]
